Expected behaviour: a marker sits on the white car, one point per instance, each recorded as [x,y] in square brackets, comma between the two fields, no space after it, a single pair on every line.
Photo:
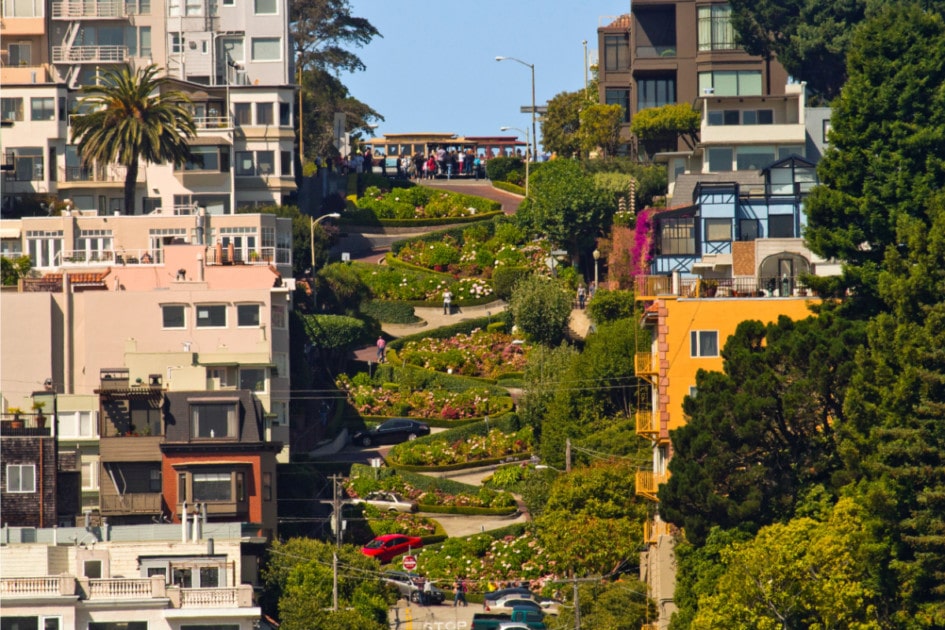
[387,501]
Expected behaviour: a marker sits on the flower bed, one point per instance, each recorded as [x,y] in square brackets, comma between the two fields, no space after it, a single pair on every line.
[420,202]
[389,283]
[382,523]
[435,451]
[480,353]
[392,399]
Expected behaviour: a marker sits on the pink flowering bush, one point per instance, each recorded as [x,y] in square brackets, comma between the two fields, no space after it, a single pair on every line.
[480,353]
[389,283]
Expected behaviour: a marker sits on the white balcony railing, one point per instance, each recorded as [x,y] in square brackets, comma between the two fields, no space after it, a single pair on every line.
[212,122]
[224,597]
[29,587]
[100,9]
[108,257]
[139,588]
[90,54]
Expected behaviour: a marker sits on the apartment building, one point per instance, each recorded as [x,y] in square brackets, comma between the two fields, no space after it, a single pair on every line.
[231,59]
[156,577]
[674,51]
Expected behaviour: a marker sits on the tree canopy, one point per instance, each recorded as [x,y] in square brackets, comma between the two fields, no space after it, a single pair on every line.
[132,116]
[561,126]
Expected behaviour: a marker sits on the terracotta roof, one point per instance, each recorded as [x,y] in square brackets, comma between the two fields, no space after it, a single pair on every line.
[79,278]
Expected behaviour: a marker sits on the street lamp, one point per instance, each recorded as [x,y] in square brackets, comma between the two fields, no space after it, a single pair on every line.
[531,66]
[596,255]
[525,131]
[333,215]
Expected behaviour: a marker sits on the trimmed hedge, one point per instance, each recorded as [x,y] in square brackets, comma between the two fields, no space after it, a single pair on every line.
[507,423]
[439,235]
[443,332]
[390,312]
[478,463]
[505,278]
[509,187]
[466,509]
[366,217]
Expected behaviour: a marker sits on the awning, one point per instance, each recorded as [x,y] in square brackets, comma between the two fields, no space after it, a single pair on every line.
[10,232]
[209,141]
[213,399]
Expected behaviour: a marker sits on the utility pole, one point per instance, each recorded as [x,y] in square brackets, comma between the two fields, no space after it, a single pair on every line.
[336,514]
[577,605]
[567,462]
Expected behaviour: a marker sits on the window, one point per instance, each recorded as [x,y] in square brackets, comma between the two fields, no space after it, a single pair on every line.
[209,577]
[704,343]
[211,316]
[285,114]
[23,8]
[753,158]
[266,49]
[720,159]
[715,28]
[144,39]
[215,626]
[723,117]
[11,108]
[92,569]
[616,53]
[278,316]
[154,480]
[90,475]
[253,379]
[27,164]
[758,117]
[42,108]
[264,114]
[173,316]
[265,162]
[619,97]
[242,113]
[213,420]
[245,166]
[233,49]
[193,8]
[183,577]
[267,486]
[781,226]
[247,315]
[203,159]
[693,391]
[265,7]
[731,82]
[655,92]
[286,161]
[118,625]
[212,487]
[21,478]
[176,47]
[718,230]
[240,487]
[748,229]
[677,236]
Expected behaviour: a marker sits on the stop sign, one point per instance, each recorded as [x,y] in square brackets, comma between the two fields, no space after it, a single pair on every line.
[410,563]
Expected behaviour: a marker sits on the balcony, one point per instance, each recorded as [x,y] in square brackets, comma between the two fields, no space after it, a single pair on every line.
[90,54]
[24,75]
[108,257]
[650,287]
[654,52]
[212,122]
[648,483]
[258,256]
[25,425]
[130,503]
[645,365]
[652,530]
[33,587]
[109,174]
[80,10]
[648,425]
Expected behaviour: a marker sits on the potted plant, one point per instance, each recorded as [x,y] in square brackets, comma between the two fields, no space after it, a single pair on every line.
[38,406]
[17,422]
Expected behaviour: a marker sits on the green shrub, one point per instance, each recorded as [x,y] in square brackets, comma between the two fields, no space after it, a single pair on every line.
[496,327]
[390,312]
[498,168]
[505,278]
[507,187]
[609,306]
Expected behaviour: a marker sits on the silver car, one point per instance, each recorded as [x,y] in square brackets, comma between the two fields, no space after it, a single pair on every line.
[387,501]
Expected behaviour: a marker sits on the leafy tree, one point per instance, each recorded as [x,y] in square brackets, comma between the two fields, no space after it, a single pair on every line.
[800,574]
[340,289]
[561,126]
[15,268]
[763,429]
[132,116]
[566,205]
[593,520]
[600,128]
[673,121]
[333,337]
[650,178]
[543,375]
[887,145]
[609,306]
[541,307]
[809,38]
[618,605]
[298,578]
[324,30]
[323,96]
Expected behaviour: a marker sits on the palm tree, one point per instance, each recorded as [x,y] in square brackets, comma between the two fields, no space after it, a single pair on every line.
[132,116]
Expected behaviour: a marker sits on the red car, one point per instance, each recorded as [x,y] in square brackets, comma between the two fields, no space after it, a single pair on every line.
[387,547]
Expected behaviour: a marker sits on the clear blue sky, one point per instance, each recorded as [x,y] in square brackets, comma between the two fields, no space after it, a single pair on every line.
[434,69]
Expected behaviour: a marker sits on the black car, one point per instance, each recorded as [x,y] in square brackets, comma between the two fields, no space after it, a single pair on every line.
[392,431]
[522,592]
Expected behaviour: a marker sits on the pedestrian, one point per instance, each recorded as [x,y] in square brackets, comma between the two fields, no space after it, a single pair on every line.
[460,595]
[447,302]
[581,296]
[381,349]
[427,596]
